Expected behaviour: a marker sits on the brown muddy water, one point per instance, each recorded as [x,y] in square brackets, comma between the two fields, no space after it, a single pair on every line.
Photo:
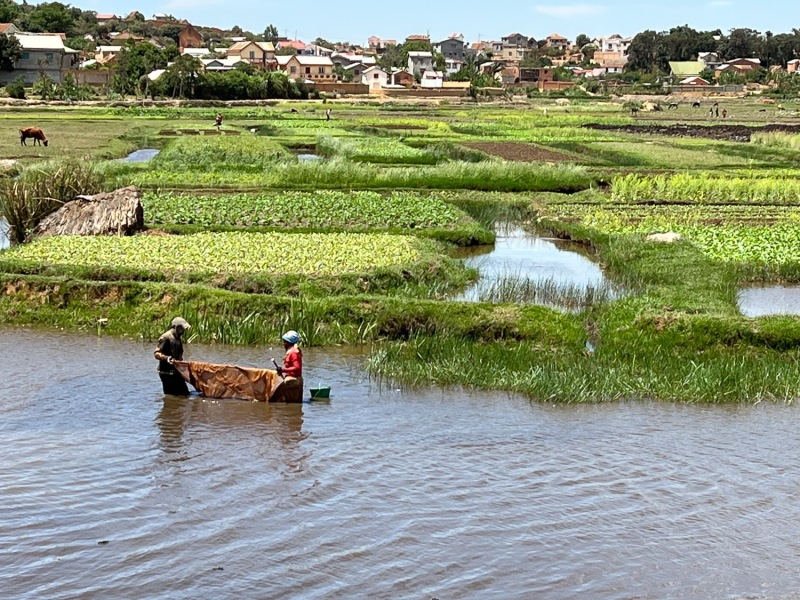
[110,490]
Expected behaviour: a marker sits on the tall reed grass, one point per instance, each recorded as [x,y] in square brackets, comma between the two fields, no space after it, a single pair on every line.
[43,189]
[776,140]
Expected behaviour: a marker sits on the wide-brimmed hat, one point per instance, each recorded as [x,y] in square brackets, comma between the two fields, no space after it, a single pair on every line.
[291,337]
[180,322]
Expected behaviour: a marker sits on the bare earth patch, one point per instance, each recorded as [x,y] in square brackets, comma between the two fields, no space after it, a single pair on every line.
[519,152]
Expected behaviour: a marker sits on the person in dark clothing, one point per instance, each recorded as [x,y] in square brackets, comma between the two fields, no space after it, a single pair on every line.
[169,349]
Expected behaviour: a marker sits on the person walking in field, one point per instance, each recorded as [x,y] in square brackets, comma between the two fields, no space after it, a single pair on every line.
[328,115]
[168,350]
[218,121]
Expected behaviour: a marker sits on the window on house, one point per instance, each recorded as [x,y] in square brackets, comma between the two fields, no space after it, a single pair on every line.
[292,69]
[322,70]
[25,55]
[252,54]
[48,56]
[308,70]
[375,76]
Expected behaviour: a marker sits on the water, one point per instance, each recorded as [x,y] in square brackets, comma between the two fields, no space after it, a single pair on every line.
[4,241]
[109,490]
[773,300]
[140,156]
[525,257]
[308,157]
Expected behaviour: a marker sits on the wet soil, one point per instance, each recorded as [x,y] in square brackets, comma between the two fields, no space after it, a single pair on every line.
[519,151]
[728,133]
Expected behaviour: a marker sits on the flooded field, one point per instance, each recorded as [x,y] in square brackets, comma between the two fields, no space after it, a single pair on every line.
[109,489]
[140,156]
[772,300]
[4,241]
[525,267]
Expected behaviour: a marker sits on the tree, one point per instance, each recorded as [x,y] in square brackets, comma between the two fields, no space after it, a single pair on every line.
[16,89]
[582,40]
[135,60]
[288,51]
[741,43]
[270,33]
[324,43]
[9,11]
[50,17]
[646,52]
[10,52]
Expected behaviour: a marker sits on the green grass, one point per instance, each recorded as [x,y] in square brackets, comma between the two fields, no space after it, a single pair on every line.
[219,153]
[375,150]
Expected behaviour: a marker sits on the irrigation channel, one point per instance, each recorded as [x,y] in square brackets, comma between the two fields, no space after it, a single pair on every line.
[140,156]
[523,267]
[109,489]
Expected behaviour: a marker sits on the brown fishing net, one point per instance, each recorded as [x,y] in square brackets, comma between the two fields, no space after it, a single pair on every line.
[230,381]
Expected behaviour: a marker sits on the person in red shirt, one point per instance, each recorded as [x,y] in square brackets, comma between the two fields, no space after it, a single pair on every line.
[293,359]
[291,389]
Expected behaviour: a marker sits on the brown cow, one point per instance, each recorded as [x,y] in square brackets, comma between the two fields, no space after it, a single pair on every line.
[32,132]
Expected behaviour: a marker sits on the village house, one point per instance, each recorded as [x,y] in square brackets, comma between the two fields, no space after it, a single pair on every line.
[418,38]
[680,70]
[8,28]
[738,66]
[259,54]
[694,80]
[402,78]
[614,43]
[711,60]
[558,42]
[106,54]
[42,53]
[189,37]
[296,45]
[104,18]
[514,54]
[517,39]
[432,80]
[452,48]
[419,62]
[793,66]
[219,64]
[375,77]
[316,50]
[453,65]
[308,68]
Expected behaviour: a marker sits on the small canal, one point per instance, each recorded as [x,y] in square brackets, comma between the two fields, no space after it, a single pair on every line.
[110,490]
[4,241]
[140,156]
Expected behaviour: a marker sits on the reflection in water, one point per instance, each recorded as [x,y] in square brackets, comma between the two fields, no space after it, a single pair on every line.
[525,268]
[381,493]
[4,241]
[774,300]
[140,156]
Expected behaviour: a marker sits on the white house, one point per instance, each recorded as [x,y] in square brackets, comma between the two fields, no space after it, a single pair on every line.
[41,53]
[419,62]
[375,77]
[432,80]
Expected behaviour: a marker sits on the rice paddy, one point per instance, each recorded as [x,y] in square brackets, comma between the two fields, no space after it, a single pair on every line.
[245,240]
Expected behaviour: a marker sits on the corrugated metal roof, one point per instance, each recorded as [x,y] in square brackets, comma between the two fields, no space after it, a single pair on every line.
[45,41]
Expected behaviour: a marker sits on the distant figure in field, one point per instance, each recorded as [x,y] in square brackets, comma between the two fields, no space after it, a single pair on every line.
[294,111]
[711,113]
[724,113]
[32,132]
[218,120]
[328,115]
[696,104]
[634,111]
[673,106]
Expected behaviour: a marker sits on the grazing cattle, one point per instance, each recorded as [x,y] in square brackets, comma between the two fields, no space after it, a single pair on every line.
[673,106]
[696,104]
[634,111]
[32,132]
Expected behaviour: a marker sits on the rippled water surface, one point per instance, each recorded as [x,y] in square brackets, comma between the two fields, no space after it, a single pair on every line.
[142,155]
[110,490]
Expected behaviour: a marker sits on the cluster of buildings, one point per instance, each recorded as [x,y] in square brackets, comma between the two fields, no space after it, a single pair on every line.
[507,60]
[690,72]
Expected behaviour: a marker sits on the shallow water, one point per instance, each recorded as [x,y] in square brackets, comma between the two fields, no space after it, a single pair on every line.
[140,156]
[110,490]
[524,256]
[4,241]
[773,300]
[308,157]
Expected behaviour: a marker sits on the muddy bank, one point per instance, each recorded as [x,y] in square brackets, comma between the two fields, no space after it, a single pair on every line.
[727,133]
